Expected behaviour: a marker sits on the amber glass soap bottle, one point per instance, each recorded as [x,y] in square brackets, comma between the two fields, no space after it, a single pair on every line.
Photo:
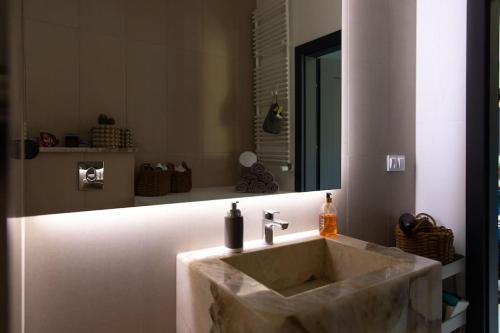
[328,218]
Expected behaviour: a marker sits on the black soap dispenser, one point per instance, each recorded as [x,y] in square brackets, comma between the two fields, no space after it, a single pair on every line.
[233,236]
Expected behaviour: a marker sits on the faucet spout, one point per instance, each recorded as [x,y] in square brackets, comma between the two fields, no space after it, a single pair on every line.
[279,223]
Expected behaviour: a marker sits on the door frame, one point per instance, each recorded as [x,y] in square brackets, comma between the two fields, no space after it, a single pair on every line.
[482,135]
[323,45]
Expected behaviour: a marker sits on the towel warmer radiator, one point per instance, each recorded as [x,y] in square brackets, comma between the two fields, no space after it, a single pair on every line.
[271,36]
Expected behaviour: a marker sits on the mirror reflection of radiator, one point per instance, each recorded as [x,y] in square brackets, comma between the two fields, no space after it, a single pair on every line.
[271,35]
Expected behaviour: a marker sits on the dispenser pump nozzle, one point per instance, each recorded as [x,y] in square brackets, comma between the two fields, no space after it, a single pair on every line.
[234,212]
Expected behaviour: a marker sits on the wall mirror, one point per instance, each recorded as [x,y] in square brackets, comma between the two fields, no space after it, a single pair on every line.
[173,101]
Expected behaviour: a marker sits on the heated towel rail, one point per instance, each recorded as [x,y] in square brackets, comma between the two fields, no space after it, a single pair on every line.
[271,36]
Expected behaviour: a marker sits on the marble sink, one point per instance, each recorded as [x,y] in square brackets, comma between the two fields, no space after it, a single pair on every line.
[307,283]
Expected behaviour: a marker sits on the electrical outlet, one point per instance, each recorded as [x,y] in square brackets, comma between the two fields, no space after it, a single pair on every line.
[396,163]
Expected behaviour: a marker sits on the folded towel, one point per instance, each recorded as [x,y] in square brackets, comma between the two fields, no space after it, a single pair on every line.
[257,168]
[272,187]
[266,177]
[249,177]
[242,186]
[257,187]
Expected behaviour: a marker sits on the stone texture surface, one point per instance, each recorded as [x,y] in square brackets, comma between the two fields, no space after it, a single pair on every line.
[364,288]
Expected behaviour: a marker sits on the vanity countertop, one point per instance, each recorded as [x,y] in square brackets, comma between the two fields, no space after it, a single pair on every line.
[404,295]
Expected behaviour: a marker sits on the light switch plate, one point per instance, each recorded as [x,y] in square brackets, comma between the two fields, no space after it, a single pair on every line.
[90,175]
[396,163]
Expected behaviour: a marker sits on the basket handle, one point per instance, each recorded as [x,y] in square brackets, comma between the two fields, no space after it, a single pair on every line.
[421,218]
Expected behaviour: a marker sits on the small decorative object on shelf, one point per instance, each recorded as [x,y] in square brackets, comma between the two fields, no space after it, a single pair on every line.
[126,138]
[105,120]
[83,143]
[31,149]
[71,140]
[421,236]
[107,135]
[181,178]
[153,181]
[47,140]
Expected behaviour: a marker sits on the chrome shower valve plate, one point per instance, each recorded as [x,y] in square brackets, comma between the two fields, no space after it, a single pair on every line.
[90,175]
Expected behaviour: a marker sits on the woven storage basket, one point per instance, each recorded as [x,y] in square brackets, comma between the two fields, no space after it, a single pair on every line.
[182,181]
[126,138]
[428,240]
[152,182]
[107,136]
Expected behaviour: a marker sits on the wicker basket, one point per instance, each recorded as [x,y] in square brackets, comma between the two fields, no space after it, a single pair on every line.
[152,182]
[107,136]
[182,181]
[110,136]
[428,240]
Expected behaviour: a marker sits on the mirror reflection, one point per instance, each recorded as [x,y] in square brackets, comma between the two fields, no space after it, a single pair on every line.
[318,114]
[177,101]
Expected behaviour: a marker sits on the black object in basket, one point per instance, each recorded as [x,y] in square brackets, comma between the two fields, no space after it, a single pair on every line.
[427,239]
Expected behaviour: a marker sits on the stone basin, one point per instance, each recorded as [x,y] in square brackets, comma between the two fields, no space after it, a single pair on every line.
[307,283]
[296,268]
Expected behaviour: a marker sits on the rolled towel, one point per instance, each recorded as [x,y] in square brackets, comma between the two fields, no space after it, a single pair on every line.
[249,177]
[266,177]
[272,187]
[257,187]
[257,168]
[242,186]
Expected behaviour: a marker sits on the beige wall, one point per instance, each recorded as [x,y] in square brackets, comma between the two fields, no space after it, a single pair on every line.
[178,73]
[52,183]
[313,19]
[379,77]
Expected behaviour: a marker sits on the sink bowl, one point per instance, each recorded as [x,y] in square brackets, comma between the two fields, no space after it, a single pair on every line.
[296,268]
[307,283]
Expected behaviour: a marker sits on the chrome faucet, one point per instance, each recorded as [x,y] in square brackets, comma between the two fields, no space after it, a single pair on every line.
[268,223]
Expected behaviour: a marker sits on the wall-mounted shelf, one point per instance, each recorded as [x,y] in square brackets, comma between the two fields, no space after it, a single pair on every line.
[454,323]
[86,150]
[456,270]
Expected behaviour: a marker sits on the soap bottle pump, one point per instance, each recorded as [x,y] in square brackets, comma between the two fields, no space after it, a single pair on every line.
[233,236]
[328,218]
